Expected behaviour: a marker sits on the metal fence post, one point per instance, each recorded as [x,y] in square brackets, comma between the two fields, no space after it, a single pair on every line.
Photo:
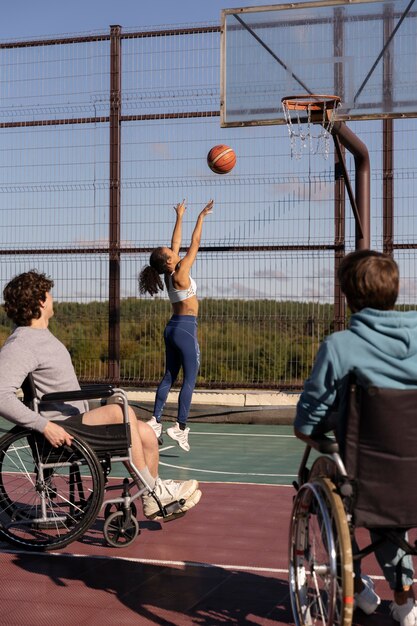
[114,209]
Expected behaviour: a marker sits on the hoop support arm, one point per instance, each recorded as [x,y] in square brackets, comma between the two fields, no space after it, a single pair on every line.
[362,212]
[348,185]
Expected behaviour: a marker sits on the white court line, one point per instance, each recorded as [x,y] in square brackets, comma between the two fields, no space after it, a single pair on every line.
[205,471]
[223,472]
[196,564]
[193,433]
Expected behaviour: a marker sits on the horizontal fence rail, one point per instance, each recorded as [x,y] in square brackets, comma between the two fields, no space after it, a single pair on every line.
[102,135]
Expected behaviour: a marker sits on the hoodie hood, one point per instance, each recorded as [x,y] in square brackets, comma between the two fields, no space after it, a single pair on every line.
[394,333]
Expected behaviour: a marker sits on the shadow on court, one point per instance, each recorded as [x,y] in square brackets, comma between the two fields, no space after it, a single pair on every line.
[71,591]
[59,587]
[224,563]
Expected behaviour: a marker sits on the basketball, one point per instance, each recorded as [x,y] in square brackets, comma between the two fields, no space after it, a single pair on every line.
[221,159]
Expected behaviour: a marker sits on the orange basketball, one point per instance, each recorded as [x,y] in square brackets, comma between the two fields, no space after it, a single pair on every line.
[221,159]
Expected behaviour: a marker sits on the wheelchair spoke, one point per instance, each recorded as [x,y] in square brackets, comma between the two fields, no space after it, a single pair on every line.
[48,497]
[19,464]
[320,557]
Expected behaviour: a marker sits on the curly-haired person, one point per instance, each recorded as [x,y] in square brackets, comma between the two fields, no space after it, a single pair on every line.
[33,349]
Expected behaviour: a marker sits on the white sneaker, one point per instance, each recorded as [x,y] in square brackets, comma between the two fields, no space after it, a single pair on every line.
[406,613]
[367,600]
[156,426]
[180,436]
[167,492]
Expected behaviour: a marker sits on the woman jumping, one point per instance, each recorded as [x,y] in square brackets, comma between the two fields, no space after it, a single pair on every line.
[180,335]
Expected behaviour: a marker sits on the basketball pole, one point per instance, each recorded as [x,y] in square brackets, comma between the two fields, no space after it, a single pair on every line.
[361,200]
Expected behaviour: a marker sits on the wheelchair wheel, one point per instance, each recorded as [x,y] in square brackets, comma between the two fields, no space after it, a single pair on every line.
[48,496]
[120,529]
[320,557]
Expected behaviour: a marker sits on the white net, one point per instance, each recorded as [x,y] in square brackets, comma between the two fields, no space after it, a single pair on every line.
[310,121]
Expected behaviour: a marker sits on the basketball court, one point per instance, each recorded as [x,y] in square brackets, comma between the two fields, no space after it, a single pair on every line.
[225,562]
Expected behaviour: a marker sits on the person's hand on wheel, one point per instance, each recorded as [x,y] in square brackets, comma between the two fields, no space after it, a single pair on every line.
[56,435]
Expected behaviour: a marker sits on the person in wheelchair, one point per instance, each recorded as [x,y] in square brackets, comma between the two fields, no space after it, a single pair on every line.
[380,349]
[33,349]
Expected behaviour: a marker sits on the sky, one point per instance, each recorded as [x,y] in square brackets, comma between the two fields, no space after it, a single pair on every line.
[36,18]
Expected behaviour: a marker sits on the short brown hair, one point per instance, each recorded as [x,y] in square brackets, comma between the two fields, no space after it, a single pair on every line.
[23,294]
[369,279]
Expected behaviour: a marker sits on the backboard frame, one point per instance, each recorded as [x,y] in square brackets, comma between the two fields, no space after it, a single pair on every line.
[390,17]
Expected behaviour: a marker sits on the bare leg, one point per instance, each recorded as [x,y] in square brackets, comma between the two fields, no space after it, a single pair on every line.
[145,457]
[144,444]
[146,438]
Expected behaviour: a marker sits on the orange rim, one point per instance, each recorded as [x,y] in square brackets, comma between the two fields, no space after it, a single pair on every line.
[312,102]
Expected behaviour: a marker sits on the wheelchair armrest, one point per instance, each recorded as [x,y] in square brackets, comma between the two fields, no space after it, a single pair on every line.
[324,444]
[89,392]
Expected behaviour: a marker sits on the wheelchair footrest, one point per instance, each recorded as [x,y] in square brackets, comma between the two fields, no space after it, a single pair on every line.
[173,507]
[173,510]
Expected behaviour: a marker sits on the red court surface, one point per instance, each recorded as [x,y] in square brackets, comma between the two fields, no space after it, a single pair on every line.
[222,563]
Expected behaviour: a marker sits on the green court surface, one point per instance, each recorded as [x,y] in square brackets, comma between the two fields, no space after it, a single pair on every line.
[240,453]
[4,425]
[244,453]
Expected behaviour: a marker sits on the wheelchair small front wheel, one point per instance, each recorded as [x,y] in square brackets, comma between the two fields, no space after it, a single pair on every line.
[120,530]
[320,557]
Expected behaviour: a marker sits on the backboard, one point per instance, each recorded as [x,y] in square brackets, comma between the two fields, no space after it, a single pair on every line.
[364,51]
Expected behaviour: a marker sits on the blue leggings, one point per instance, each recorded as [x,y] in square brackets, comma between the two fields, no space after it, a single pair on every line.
[181,350]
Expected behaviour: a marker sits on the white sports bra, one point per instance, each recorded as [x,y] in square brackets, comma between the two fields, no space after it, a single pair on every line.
[178,295]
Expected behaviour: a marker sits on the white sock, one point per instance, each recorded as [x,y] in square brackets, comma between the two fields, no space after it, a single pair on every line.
[147,476]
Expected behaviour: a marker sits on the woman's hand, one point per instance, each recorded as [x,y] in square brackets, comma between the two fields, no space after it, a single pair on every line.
[180,208]
[207,209]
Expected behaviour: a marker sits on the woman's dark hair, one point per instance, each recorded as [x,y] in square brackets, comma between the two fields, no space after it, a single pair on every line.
[369,279]
[149,280]
[23,295]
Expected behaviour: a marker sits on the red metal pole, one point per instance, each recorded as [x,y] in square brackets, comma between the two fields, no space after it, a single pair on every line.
[114,209]
[362,182]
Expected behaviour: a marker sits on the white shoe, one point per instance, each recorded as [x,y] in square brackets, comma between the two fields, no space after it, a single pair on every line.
[156,426]
[406,613]
[367,600]
[180,436]
[167,492]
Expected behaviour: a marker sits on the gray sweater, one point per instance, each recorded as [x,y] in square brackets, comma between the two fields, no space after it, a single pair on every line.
[36,350]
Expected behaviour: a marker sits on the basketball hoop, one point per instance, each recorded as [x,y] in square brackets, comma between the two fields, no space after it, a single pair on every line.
[310,120]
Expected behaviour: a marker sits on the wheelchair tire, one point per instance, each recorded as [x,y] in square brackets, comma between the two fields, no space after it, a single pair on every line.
[320,557]
[120,529]
[47,508]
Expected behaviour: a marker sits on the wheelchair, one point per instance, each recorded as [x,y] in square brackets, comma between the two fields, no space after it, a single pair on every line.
[345,488]
[49,497]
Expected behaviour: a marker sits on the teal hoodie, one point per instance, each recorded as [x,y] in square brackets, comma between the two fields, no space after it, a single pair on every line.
[379,348]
